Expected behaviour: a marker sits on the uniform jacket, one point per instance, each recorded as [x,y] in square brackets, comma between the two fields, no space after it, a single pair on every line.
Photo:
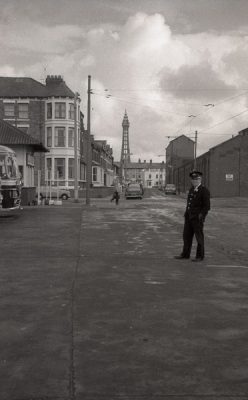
[198,202]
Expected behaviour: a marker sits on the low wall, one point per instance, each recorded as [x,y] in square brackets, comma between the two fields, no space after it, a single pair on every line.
[95,192]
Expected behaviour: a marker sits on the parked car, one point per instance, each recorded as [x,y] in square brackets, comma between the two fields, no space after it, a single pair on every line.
[63,194]
[134,190]
[170,188]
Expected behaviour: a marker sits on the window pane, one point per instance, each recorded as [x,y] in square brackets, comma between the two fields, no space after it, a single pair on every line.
[71,111]
[59,170]
[71,168]
[23,111]
[71,137]
[49,137]
[9,110]
[94,170]
[59,137]
[49,110]
[60,110]
[49,163]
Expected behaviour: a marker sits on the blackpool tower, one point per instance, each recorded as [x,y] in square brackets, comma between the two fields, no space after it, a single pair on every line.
[125,150]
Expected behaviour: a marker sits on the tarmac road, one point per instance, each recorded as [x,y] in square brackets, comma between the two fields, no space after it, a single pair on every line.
[94,306]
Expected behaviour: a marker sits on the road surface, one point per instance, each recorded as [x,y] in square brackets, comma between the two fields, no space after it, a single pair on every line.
[94,306]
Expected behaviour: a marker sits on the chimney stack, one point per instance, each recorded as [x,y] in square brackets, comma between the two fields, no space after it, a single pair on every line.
[51,79]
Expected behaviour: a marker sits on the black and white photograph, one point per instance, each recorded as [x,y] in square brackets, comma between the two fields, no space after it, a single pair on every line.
[123,199]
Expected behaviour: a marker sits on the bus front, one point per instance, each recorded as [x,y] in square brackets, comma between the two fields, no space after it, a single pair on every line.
[10,188]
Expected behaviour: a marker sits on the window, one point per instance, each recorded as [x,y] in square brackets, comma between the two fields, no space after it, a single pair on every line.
[49,110]
[23,111]
[94,173]
[71,137]
[71,168]
[48,175]
[59,170]
[49,163]
[23,128]
[59,137]
[71,111]
[49,137]
[82,172]
[156,176]
[9,109]
[60,110]
[150,176]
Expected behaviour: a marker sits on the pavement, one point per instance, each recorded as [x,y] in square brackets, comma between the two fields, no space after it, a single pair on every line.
[95,307]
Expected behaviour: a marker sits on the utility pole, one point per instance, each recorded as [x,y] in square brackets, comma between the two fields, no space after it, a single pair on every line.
[89,154]
[75,149]
[195,149]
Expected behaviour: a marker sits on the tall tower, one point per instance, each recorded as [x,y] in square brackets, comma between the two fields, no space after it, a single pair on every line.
[125,150]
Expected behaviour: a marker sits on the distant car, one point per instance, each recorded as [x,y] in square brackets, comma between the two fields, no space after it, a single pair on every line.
[63,194]
[134,190]
[170,188]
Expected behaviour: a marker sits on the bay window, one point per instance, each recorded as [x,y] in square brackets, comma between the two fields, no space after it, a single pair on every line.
[71,137]
[60,110]
[49,137]
[71,168]
[71,111]
[59,168]
[59,137]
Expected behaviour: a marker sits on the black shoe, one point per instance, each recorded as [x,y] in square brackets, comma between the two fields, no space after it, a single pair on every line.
[181,257]
[197,259]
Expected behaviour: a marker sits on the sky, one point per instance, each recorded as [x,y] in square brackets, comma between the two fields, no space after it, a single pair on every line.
[175,66]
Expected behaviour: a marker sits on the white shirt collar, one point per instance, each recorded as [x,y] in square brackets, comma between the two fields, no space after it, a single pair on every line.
[197,187]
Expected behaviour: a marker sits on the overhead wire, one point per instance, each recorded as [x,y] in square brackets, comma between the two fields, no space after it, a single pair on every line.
[245,91]
[135,103]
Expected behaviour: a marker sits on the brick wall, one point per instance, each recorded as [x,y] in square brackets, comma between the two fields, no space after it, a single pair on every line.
[224,168]
[244,166]
[225,160]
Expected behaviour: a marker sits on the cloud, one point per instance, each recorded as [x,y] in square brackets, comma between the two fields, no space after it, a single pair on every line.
[9,70]
[40,39]
[158,75]
[199,82]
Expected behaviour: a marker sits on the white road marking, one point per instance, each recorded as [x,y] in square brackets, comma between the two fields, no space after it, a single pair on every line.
[227,266]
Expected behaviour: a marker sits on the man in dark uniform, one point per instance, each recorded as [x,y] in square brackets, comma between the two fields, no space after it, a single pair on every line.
[198,205]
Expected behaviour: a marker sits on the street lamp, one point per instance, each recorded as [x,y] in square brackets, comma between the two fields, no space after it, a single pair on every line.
[163,155]
[76,97]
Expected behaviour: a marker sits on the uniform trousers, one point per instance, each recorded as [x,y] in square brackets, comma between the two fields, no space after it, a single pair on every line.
[193,227]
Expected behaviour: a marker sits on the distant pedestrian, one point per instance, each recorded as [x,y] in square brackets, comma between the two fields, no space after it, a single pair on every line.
[198,205]
[115,197]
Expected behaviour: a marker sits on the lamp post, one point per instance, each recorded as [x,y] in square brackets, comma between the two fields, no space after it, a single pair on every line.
[89,154]
[164,155]
[76,97]
[195,149]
